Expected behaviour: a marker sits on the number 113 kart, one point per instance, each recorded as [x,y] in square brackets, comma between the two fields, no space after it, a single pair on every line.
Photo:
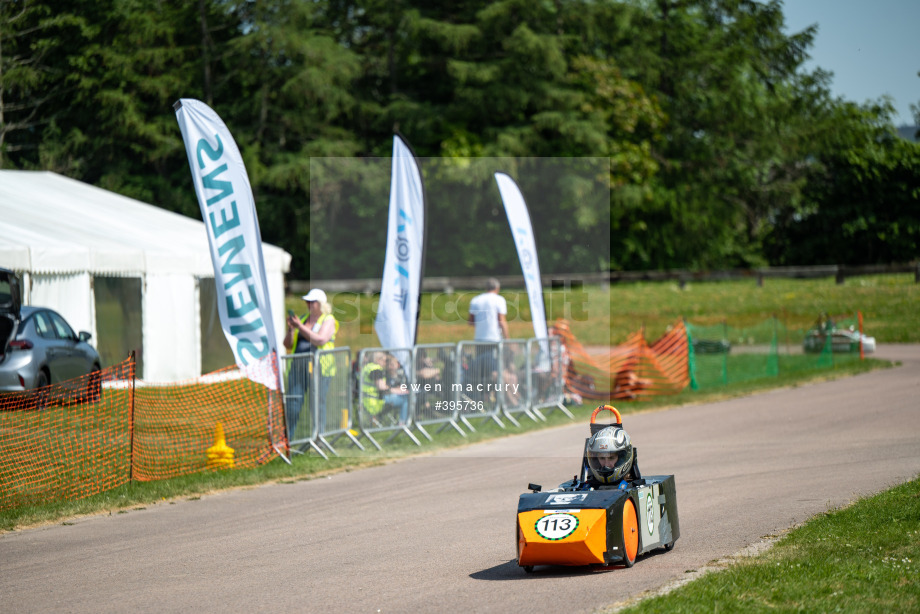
[609,514]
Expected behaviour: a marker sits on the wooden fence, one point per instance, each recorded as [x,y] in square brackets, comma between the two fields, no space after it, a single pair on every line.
[682,276]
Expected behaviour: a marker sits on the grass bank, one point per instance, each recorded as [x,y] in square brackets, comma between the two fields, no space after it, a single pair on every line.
[603,316]
[862,558]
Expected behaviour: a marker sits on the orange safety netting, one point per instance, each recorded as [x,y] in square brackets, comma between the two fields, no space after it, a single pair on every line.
[68,440]
[91,434]
[176,424]
[632,370]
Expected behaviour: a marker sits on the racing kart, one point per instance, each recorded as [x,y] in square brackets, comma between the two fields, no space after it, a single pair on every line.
[579,524]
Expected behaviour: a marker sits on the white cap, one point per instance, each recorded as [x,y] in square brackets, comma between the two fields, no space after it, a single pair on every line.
[315,295]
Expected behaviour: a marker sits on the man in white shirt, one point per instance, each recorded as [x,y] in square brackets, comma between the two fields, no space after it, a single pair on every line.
[487,314]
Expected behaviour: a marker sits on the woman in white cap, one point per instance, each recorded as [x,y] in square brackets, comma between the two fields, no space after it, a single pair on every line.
[314,331]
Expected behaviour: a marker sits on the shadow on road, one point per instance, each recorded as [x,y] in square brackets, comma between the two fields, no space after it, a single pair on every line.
[511,571]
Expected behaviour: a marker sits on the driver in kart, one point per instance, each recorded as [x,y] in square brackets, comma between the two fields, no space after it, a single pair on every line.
[610,458]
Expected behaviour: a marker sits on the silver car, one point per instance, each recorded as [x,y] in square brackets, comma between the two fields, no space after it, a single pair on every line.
[38,347]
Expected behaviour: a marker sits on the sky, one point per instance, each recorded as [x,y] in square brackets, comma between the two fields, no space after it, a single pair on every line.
[871,46]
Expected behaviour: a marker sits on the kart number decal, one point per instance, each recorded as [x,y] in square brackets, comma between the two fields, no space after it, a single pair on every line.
[566,499]
[650,513]
[556,526]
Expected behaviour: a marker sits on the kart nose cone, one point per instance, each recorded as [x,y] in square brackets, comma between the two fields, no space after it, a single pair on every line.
[562,537]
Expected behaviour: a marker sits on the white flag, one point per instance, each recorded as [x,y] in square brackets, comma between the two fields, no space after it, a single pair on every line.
[522,230]
[397,314]
[229,214]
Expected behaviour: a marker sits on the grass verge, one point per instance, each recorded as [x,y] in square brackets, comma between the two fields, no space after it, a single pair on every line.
[607,315]
[862,558]
[310,466]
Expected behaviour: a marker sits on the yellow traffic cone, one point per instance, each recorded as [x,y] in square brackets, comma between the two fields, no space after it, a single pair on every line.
[345,423]
[220,455]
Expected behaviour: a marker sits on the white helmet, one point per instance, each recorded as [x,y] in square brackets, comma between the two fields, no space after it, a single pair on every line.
[610,454]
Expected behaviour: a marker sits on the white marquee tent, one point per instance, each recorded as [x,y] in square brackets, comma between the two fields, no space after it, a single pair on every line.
[65,237]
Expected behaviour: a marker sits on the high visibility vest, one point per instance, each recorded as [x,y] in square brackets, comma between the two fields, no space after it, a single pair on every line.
[327,362]
[373,403]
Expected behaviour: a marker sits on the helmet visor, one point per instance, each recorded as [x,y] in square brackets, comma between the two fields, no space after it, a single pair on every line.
[607,460]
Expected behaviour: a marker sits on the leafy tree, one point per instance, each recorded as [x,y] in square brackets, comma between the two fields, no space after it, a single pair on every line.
[862,200]
[33,35]
[292,100]
[722,150]
[728,80]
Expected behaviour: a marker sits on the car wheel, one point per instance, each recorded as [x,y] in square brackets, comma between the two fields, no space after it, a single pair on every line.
[630,533]
[528,568]
[93,390]
[669,546]
[41,393]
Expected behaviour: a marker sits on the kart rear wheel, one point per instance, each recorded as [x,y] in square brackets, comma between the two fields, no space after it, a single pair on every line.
[630,533]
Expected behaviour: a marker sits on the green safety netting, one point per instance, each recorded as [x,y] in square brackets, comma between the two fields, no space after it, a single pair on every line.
[721,354]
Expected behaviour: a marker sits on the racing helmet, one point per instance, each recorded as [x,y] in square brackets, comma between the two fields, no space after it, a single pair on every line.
[610,454]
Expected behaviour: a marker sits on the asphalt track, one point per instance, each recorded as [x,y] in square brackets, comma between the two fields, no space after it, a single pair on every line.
[436,533]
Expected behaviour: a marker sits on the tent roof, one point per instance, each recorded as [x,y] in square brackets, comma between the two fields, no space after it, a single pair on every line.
[53,224]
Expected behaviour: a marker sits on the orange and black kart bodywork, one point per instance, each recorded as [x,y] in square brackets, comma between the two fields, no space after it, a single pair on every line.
[583,523]
[597,527]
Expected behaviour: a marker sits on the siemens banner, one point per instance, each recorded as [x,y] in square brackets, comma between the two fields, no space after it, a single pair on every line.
[522,230]
[229,213]
[397,314]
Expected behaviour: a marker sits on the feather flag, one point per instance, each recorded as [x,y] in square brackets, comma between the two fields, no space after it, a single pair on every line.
[229,213]
[396,323]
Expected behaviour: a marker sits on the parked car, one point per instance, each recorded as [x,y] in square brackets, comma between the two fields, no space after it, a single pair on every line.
[38,347]
[841,339]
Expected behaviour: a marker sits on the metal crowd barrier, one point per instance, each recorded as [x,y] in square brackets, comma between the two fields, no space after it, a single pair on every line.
[297,383]
[317,399]
[546,375]
[434,397]
[382,407]
[514,381]
[478,376]
[333,397]
[396,390]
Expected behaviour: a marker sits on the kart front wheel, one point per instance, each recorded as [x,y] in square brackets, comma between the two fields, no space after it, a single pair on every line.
[630,533]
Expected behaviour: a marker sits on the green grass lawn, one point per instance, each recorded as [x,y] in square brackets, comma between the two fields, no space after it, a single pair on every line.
[862,558]
[601,315]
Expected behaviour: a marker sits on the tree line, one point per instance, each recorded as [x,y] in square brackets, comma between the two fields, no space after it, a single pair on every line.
[721,150]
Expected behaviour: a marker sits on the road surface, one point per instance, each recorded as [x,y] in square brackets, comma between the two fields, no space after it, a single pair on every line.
[436,533]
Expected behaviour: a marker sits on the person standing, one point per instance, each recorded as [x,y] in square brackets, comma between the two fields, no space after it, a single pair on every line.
[314,331]
[488,313]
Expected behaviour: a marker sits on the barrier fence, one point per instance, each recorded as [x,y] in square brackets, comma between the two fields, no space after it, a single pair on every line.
[706,357]
[318,399]
[436,372]
[100,431]
[631,371]
[383,405]
[95,433]
[546,375]
[723,355]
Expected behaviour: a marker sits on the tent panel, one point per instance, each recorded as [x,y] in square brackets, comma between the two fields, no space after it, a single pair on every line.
[172,348]
[119,319]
